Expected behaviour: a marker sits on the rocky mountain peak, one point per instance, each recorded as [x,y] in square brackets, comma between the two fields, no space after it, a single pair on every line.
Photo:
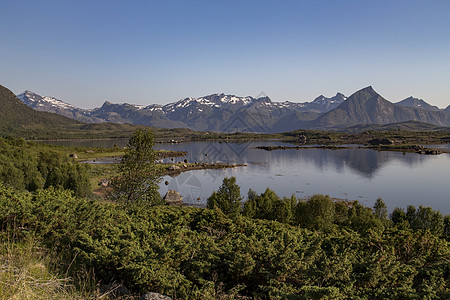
[417,103]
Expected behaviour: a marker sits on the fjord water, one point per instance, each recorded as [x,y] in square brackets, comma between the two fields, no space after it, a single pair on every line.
[400,179]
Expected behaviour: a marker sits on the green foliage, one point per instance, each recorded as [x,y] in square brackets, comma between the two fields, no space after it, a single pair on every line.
[227,198]
[139,176]
[361,219]
[424,218]
[194,253]
[30,166]
[317,213]
[399,218]
[380,209]
[428,219]
[446,231]
[269,206]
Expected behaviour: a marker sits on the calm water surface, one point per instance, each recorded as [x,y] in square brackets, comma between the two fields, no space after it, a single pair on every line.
[354,174]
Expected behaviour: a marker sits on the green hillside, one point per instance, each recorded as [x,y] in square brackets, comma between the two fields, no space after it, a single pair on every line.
[16,118]
[405,126]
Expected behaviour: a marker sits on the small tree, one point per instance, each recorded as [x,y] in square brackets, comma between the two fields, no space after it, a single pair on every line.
[139,176]
[380,211]
[399,218]
[227,198]
[317,213]
[428,219]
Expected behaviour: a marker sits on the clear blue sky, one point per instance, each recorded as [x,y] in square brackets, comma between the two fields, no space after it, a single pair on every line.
[143,52]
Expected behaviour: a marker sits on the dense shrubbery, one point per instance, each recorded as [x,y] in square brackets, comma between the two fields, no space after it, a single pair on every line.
[28,166]
[194,253]
[321,213]
[272,247]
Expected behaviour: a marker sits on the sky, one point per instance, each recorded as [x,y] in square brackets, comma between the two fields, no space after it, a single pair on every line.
[146,52]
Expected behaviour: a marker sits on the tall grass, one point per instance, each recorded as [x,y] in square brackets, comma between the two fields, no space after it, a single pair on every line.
[30,271]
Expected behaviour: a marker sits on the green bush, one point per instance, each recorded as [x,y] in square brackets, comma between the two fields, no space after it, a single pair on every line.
[29,166]
[195,253]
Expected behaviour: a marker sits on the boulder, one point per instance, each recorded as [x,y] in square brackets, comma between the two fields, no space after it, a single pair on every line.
[73,155]
[154,296]
[104,183]
[173,198]
[174,168]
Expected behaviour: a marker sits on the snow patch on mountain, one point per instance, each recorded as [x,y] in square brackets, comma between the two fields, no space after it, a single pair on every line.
[36,100]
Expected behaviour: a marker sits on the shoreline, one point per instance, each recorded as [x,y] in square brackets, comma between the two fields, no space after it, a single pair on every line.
[400,148]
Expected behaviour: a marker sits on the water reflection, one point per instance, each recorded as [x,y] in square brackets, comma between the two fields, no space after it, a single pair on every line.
[363,162]
[354,174]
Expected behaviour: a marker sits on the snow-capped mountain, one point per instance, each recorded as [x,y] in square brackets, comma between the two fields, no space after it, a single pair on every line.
[323,104]
[216,112]
[53,105]
[38,102]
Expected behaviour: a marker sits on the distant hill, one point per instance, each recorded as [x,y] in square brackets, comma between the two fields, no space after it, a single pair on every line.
[407,126]
[417,103]
[17,119]
[16,116]
[53,105]
[367,107]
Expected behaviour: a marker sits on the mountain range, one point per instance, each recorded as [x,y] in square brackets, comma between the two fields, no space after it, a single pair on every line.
[229,113]
[216,112]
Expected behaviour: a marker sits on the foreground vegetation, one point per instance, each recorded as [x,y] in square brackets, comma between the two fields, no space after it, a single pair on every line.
[58,242]
[337,251]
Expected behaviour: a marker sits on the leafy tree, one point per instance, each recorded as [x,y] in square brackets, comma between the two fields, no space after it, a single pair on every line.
[139,175]
[380,210]
[285,210]
[227,198]
[340,213]
[317,213]
[11,175]
[410,213]
[362,219]
[261,206]
[426,218]
[399,218]
[269,206]
[59,172]
[381,213]
[446,232]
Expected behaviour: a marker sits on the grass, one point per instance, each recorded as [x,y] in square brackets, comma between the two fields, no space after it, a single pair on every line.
[26,273]
[30,271]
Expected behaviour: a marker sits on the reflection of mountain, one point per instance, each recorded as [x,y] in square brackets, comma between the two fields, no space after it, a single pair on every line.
[364,162]
[367,162]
